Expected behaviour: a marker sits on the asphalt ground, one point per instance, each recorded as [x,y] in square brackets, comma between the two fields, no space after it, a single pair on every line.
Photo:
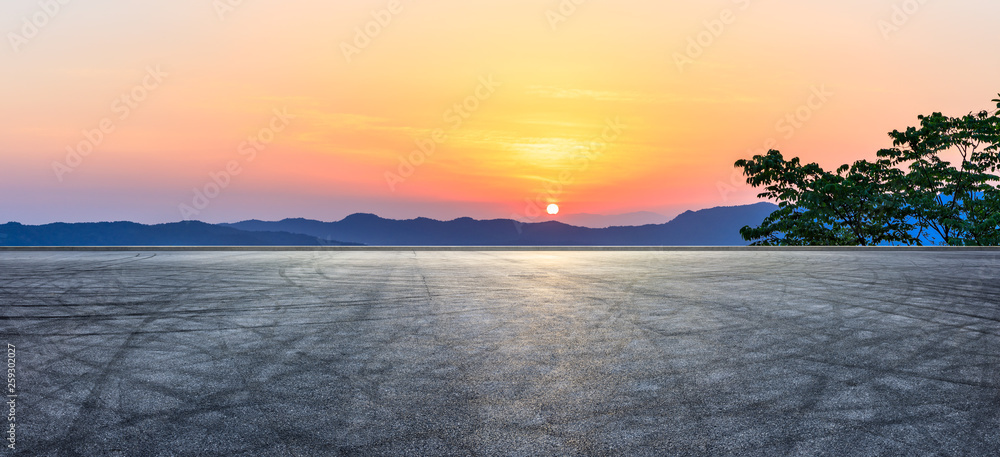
[503,353]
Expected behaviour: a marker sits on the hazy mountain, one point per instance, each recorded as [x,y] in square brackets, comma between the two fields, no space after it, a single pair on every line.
[709,227]
[603,221]
[190,233]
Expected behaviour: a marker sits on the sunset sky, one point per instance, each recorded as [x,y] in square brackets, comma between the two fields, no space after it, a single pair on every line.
[121,110]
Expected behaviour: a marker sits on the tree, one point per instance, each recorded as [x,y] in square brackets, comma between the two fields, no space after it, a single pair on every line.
[911,193]
[954,201]
[852,206]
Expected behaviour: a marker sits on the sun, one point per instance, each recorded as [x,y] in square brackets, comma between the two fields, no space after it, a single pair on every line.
[553,209]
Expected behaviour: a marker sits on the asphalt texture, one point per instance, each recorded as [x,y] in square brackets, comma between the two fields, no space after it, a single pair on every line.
[503,353]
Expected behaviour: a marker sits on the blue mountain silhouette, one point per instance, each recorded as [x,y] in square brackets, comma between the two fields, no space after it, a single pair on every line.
[709,227]
[188,233]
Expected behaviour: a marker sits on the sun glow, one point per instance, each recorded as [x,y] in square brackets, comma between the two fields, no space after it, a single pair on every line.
[553,209]
[498,123]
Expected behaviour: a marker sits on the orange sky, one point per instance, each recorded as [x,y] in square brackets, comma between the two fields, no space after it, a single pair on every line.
[514,97]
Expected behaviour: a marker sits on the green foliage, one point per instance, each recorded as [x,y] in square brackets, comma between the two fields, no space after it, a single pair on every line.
[852,206]
[936,180]
[950,199]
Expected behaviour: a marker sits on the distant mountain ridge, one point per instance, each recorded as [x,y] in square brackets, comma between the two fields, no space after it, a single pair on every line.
[188,233]
[616,220]
[708,227]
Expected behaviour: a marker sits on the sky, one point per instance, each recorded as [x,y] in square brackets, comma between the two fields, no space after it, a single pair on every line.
[226,110]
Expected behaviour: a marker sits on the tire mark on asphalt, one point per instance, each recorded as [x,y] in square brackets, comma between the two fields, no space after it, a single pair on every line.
[88,410]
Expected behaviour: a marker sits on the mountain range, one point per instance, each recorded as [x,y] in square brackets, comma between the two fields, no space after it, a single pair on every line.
[708,227]
[187,233]
[604,221]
